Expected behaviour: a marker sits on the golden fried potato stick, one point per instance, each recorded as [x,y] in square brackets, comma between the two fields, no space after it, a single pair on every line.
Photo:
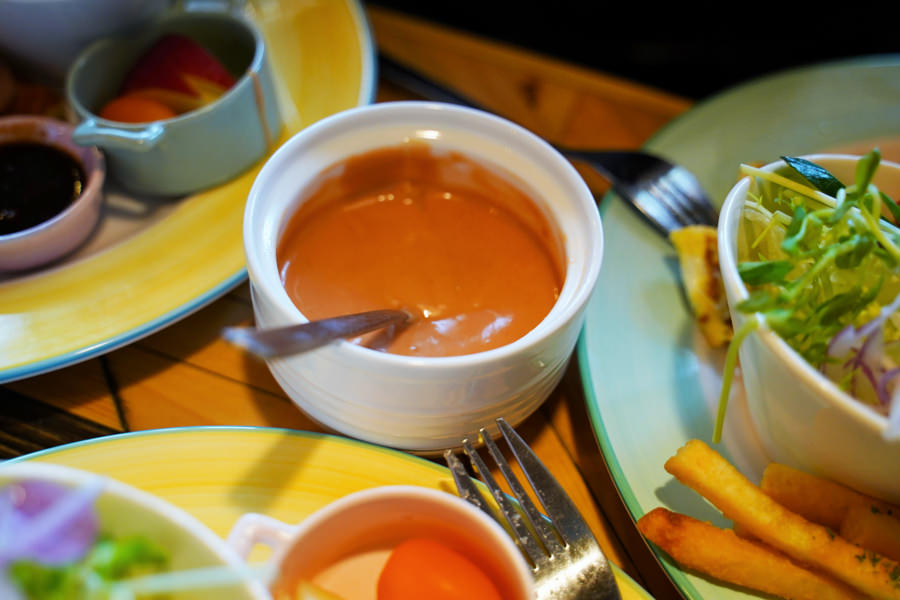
[816,499]
[722,555]
[872,529]
[708,473]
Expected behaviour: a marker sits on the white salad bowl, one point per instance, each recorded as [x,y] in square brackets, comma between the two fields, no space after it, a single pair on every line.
[423,404]
[126,511]
[802,418]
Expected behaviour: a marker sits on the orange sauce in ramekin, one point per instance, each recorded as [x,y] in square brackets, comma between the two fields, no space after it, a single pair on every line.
[457,244]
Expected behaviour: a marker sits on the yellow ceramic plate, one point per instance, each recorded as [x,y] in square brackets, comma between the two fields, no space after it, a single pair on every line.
[219,473]
[175,257]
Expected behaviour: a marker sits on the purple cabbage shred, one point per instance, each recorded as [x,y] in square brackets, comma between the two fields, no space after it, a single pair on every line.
[46,522]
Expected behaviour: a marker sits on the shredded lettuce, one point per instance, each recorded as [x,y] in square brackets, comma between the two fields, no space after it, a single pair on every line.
[109,560]
[51,547]
[822,265]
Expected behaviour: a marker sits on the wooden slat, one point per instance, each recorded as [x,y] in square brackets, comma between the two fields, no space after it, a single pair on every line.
[81,390]
[160,392]
[27,425]
[205,349]
[562,102]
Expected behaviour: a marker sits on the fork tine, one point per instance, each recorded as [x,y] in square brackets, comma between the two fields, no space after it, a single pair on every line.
[595,576]
[557,503]
[547,536]
[689,196]
[676,199]
[668,195]
[465,486]
[523,536]
[567,562]
[657,212]
[691,188]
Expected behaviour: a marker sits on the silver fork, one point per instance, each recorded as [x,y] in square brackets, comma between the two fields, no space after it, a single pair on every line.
[667,195]
[566,559]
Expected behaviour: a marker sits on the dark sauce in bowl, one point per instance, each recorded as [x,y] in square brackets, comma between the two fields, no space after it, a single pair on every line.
[37,182]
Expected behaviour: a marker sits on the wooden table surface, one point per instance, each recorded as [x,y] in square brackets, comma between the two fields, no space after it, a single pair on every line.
[186,375]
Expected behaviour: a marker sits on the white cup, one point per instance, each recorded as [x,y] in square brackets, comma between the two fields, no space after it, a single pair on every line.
[343,546]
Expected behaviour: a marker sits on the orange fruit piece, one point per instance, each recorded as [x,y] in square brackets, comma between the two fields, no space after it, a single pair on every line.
[136,109]
[421,568]
[177,101]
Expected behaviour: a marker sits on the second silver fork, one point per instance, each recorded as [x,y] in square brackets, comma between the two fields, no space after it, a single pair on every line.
[566,559]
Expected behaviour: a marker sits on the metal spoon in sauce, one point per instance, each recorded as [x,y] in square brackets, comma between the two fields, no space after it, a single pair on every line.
[294,339]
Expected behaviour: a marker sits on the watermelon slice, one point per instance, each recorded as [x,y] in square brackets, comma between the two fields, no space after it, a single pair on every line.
[175,63]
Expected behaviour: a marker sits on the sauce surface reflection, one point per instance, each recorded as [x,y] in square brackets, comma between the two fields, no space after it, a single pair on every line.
[460,246]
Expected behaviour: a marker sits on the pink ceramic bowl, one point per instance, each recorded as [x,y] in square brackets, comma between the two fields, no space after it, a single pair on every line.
[64,232]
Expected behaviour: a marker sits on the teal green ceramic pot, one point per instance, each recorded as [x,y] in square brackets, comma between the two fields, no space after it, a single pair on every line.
[195,150]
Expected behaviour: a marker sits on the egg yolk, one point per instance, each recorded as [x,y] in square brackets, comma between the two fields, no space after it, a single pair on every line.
[136,109]
[421,568]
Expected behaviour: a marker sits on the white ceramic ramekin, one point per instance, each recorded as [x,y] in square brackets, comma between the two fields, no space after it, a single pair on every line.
[423,404]
[802,418]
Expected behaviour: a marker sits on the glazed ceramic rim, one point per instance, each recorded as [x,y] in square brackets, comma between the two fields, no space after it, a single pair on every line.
[61,139]
[728,232]
[581,272]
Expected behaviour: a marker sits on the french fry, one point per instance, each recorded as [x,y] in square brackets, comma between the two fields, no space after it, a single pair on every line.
[818,500]
[723,555]
[708,473]
[872,529]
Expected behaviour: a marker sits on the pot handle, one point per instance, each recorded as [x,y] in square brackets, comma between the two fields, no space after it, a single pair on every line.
[89,133]
[253,528]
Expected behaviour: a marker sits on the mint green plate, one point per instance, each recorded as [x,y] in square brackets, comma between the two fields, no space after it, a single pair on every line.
[650,380]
